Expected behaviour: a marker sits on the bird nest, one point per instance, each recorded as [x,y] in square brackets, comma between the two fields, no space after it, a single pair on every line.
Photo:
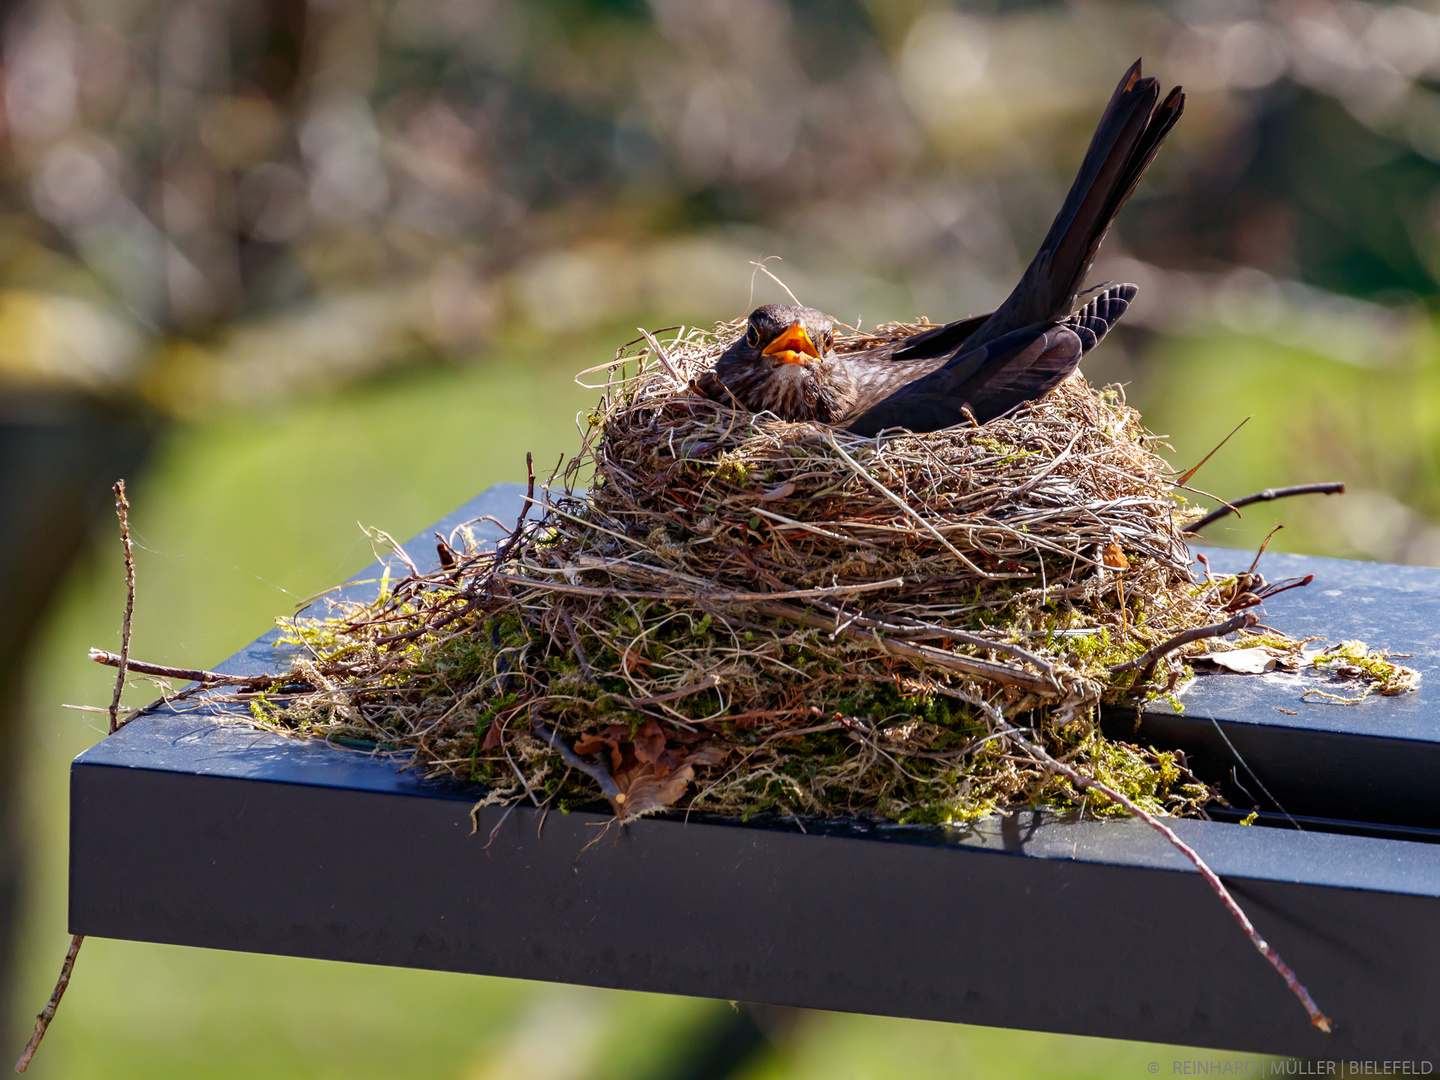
[719,611]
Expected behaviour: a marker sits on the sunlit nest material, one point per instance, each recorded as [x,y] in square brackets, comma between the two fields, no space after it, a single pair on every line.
[717,611]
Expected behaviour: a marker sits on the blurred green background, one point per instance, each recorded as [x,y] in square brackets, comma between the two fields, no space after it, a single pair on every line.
[288,266]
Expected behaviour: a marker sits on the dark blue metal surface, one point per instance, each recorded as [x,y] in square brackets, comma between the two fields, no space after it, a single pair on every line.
[194,830]
[1376,761]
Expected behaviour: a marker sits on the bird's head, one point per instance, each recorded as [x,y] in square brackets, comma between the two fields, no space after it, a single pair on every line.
[782,334]
[784,363]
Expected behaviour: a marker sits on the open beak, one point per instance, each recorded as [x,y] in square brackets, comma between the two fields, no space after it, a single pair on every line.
[793,346]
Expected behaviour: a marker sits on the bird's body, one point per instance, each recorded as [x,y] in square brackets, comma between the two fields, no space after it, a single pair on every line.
[981,366]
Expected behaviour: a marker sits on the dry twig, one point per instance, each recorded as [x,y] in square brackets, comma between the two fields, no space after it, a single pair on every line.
[122,664]
[1233,507]
[42,1022]
[122,511]
[1317,1018]
[1185,637]
[196,675]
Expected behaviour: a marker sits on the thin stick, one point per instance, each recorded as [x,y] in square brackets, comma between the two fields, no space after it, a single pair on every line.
[1331,488]
[921,629]
[42,1022]
[660,355]
[164,671]
[1149,659]
[122,511]
[575,641]
[1185,479]
[704,597]
[967,665]
[592,769]
[503,552]
[708,683]
[1317,1018]
[766,271]
[1260,783]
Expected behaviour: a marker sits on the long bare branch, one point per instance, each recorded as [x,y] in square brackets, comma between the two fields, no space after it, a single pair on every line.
[1332,488]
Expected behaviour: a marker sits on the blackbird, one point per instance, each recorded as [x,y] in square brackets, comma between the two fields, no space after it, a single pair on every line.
[986,365]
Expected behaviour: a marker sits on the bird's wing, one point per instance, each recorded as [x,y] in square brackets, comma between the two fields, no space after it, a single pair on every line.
[1025,374]
[986,381]
[941,341]
[989,379]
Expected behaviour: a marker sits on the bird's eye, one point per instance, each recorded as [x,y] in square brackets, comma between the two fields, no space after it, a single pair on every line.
[829,340]
[752,336]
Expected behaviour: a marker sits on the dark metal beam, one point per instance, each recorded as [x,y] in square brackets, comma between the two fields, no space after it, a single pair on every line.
[194,830]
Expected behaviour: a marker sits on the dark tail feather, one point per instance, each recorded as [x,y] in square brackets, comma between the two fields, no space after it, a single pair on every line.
[1093,321]
[1125,142]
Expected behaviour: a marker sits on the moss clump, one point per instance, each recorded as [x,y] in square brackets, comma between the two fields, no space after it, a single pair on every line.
[1365,668]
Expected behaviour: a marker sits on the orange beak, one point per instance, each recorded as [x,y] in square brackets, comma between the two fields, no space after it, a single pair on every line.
[793,346]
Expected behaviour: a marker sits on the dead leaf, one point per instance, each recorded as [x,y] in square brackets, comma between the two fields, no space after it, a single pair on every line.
[1112,556]
[649,742]
[1254,661]
[710,754]
[586,745]
[492,735]
[645,791]
[784,491]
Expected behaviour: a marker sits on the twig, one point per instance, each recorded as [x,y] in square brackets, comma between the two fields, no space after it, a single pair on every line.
[921,629]
[1317,1018]
[503,551]
[592,769]
[1185,479]
[1268,591]
[199,675]
[575,641]
[1261,783]
[122,511]
[766,271]
[42,1022]
[1149,659]
[1332,488]
[967,665]
[707,683]
[660,355]
[710,597]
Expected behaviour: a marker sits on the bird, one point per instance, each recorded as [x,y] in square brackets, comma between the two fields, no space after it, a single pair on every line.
[980,367]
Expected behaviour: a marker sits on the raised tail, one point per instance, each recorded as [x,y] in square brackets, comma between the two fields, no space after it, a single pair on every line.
[1125,143]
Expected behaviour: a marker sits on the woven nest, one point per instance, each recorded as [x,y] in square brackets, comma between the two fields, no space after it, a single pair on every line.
[720,611]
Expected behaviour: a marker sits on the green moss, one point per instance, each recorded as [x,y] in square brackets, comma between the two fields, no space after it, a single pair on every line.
[732,468]
[1355,660]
